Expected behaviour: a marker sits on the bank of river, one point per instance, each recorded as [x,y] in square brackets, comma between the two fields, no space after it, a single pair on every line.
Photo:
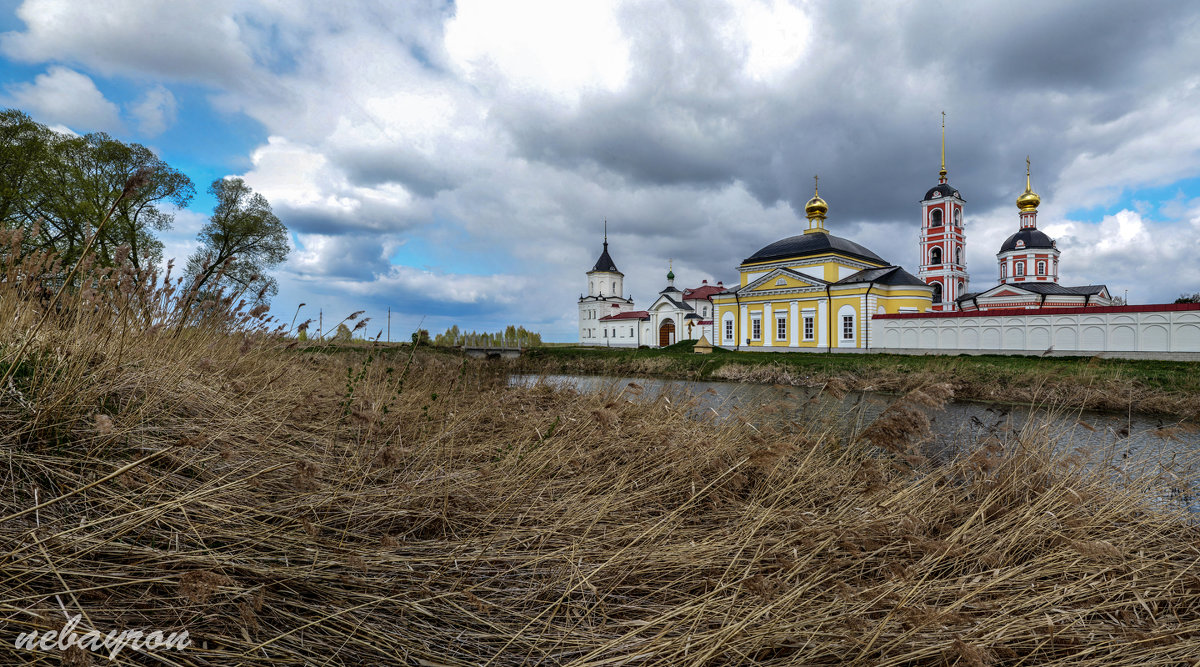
[1166,388]
[1132,444]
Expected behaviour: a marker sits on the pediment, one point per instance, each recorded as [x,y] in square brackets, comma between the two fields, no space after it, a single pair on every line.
[1003,291]
[778,279]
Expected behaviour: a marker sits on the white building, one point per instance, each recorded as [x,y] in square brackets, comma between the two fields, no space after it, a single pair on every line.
[603,299]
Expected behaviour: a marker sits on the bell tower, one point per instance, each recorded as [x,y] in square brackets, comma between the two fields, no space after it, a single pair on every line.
[943,240]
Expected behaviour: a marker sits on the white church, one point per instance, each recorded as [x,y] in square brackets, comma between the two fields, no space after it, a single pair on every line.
[608,319]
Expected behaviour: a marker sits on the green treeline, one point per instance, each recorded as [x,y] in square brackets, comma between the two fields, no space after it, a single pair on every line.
[511,337]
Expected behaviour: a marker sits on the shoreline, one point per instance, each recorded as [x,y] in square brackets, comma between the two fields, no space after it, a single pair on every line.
[1155,388]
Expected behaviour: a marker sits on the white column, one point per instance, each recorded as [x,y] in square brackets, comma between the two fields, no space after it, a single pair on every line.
[745,326]
[795,324]
[822,325]
[768,324]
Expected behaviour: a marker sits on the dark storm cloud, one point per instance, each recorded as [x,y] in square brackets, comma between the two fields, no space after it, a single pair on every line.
[864,109]
[385,164]
[1049,46]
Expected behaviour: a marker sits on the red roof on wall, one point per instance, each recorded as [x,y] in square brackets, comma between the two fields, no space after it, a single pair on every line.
[1079,310]
[628,315]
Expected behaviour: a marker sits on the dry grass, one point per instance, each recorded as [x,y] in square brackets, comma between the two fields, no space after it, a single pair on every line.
[342,508]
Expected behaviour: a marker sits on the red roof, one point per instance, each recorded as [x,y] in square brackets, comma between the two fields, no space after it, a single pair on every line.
[628,315]
[1063,310]
[704,292]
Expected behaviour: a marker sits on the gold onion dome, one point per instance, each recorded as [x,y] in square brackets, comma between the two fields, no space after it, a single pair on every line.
[1029,199]
[816,207]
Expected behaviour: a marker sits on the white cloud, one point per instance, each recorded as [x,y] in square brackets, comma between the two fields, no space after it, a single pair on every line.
[155,111]
[176,40]
[547,47]
[66,97]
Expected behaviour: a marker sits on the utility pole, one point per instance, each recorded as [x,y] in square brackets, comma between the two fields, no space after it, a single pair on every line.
[320,323]
[389,324]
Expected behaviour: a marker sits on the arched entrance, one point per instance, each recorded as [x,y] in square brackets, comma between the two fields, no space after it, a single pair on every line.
[666,332]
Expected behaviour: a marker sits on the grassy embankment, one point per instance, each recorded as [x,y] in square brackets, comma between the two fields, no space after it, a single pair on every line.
[376,508]
[1162,387]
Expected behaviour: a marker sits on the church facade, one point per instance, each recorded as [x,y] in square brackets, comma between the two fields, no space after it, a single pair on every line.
[813,292]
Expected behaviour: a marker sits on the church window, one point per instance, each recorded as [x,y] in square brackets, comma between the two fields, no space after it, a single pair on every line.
[592,285]
[935,217]
[808,327]
[1041,268]
[729,329]
[615,288]
[756,328]
[704,312]
[781,328]
[958,255]
[962,288]
[935,256]
[1020,243]
[937,292]
[781,281]
[1003,270]
[1020,268]
[847,327]
[958,217]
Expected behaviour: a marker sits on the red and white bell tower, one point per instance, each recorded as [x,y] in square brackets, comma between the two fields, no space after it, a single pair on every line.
[943,240]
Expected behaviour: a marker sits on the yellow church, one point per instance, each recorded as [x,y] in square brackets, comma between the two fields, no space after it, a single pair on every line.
[813,292]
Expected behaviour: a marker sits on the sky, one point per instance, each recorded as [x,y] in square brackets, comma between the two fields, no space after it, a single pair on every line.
[455,162]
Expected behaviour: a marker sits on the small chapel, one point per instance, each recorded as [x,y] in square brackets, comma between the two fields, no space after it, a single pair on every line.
[1028,268]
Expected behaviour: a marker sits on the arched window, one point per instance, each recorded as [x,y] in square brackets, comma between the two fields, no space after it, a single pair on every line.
[935,256]
[958,217]
[727,321]
[935,217]
[847,318]
[615,289]
[591,285]
[958,255]
[1003,271]
[937,292]
[1041,268]
[1020,269]
[962,288]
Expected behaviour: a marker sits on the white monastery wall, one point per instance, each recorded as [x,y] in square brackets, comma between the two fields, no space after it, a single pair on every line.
[1158,332]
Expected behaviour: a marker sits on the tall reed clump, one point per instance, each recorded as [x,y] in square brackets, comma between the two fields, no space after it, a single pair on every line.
[167,473]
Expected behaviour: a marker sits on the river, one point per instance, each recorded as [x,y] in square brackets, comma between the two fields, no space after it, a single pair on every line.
[1132,445]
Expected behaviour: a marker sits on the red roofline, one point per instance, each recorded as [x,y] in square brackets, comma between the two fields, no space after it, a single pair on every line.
[1005,312]
[628,315]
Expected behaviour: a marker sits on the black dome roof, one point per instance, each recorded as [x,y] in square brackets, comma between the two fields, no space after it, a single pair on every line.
[1032,238]
[605,262]
[812,244]
[942,189]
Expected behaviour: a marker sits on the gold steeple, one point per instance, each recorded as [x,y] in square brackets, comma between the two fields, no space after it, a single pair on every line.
[815,209]
[1029,200]
[942,173]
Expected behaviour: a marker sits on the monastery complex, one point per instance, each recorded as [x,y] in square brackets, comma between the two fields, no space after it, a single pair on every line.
[817,292]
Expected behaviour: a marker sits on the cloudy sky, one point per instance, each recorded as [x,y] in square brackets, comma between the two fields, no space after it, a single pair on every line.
[456,161]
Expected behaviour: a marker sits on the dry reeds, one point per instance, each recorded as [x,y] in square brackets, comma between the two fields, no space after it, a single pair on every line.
[427,513]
